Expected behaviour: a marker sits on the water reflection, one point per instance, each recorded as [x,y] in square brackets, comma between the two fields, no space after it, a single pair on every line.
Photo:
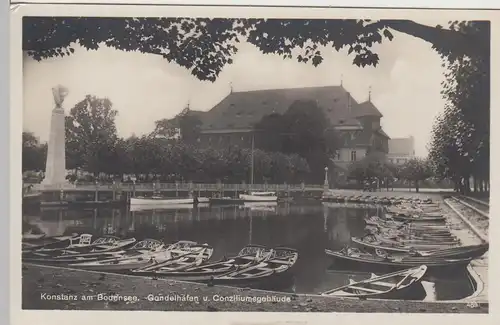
[308,228]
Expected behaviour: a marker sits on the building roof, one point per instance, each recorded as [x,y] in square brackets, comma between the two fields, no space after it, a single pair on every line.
[244,109]
[382,132]
[367,109]
[402,146]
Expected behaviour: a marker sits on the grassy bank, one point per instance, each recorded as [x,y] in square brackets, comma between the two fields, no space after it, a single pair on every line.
[54,288]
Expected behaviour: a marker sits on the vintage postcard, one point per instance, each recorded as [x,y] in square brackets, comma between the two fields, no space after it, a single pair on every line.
[303,161]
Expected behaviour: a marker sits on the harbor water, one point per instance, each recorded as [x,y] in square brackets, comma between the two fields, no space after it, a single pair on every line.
[308,228]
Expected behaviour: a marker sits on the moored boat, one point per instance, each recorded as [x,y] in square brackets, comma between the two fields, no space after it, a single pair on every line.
[354,257]
[271,272]
[249,255]
[470,251]
[156,200]
[396,285]
[422,244]
[149,252]
[73,259]
[29,245]
[201,200]
[259,197]
[418,226]
[225,200]
[187,257]
[30,236]
[84,248]
[418,218]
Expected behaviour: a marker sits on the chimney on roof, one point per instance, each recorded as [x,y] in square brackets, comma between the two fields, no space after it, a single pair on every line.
[370,94]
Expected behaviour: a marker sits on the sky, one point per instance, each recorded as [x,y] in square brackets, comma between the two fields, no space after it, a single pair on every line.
[144,88]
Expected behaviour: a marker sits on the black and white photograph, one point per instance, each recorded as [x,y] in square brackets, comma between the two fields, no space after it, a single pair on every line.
[310,161]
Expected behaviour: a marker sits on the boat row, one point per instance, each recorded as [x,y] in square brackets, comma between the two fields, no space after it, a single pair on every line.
[373,199]
[242,198]
[407,236]
[182,260]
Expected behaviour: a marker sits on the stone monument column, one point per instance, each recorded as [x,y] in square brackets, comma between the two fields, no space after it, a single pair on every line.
[55,168]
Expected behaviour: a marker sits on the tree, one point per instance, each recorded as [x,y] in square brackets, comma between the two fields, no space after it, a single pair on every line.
[184,126]
[372,166]
[304,130]
[34,154]
[91,135]
[459,147]
[204,46]
[416,170]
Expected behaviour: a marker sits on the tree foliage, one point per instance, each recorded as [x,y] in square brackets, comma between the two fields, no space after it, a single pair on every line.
[34,153]
[91,135]
[416,170]
[205,46]
[185,126]
[152,158]
[459,147]
[304,130]
[372,166]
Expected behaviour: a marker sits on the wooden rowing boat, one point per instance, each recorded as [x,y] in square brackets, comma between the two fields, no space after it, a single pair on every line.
[390,223]
[84,248]
[29,245]
[354,257]
[142,256]
[396,285]
[421,244]
[418,218]
[249,255]
[30,236]
[179,259]
[147,245]
[471,251]
[408,235]
[271,272]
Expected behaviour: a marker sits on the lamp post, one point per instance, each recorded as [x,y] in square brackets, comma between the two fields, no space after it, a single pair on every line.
[133,179]
[326,185]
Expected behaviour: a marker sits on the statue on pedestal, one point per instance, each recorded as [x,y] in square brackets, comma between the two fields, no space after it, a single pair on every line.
[55,168]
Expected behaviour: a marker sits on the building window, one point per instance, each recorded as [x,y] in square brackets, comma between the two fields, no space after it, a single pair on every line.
[209,139]
[353,155]
[198,139]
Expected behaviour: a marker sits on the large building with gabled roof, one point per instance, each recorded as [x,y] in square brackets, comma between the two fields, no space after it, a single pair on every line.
[231,121]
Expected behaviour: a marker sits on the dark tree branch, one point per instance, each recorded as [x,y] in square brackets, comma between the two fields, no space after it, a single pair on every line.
[446,41]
